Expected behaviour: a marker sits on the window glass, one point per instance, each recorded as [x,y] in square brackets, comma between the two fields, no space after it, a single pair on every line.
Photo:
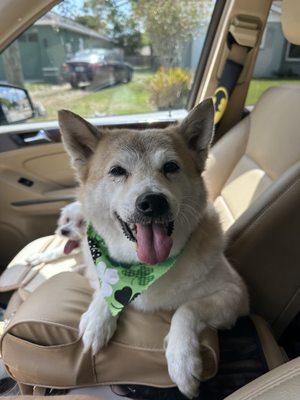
[99,57]
[278,61]
[293,52]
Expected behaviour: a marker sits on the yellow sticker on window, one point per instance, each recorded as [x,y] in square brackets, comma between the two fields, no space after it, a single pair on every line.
[220,101]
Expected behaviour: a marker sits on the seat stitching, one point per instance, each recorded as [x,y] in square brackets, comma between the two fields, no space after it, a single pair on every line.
[287,376]
[258,165]
[265,209]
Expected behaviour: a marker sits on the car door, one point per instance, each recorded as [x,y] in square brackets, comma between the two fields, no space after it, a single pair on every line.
[169,64]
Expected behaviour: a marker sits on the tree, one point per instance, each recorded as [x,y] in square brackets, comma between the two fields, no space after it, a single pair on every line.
[12,65]
[113,20]
[90,21]
[169,24]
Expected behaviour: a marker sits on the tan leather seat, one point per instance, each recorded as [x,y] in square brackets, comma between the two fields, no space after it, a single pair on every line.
[280,383]
[24,279]
[253,179]
[255,154]
[43,333]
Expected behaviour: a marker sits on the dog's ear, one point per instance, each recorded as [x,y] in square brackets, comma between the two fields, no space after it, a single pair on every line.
[80,139]
[198,129]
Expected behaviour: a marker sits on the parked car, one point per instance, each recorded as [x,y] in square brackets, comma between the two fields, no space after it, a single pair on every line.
[100,67]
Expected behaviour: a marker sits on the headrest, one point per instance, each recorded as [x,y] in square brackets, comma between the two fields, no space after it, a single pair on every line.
[290,20]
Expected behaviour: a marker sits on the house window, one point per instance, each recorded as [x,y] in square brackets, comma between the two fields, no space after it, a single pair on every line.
[32,37]
[292,52]
[45,42]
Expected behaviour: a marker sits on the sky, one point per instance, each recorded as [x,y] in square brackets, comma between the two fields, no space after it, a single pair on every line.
[77,9]
[78,5]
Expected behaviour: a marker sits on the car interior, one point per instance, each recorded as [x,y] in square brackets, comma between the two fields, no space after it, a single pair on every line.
[252,175]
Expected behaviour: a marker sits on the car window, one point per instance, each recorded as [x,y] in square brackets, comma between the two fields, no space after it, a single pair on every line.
[104,58]
[278,61]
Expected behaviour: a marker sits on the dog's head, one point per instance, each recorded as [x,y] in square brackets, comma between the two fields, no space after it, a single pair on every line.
[71,225]
[142,187]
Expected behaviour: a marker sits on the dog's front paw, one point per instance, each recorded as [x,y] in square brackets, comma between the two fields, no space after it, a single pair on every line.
[185,367]
[34,259]
[96,327]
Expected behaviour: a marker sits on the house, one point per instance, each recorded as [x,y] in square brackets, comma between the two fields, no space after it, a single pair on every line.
[277,57]
[47,44]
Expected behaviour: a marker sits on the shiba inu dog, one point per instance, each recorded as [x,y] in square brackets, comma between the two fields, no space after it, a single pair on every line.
[144,194]
[70,225]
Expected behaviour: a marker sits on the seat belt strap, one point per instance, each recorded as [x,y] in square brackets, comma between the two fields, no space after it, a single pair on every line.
[243,36]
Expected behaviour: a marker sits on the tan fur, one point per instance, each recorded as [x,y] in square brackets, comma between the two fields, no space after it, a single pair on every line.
[202,288]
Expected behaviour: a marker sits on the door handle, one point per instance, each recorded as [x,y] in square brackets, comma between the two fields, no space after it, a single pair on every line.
[65,194]
[40,137]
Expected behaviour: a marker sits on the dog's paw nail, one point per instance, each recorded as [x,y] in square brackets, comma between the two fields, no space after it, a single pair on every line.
[185,368]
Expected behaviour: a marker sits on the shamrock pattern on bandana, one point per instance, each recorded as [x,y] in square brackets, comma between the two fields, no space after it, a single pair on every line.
[108,277]
[122,283]
[144,275]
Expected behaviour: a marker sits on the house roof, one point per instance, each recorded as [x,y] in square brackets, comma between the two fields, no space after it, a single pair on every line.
[55,20]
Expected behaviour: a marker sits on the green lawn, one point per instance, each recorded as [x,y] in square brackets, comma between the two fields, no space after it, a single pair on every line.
[122,99]
[127,98]
[258,86]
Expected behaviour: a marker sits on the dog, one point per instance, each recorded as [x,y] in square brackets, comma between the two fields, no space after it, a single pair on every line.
[144,193]
[71,225]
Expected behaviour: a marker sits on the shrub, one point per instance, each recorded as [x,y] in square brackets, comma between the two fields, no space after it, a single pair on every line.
[169,87]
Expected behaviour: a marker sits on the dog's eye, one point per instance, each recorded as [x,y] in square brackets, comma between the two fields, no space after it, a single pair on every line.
[67,220]
[170,167]
[117,171]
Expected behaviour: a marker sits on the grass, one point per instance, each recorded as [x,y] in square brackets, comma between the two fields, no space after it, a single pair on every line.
[131,98]
[120,99]
[258,86]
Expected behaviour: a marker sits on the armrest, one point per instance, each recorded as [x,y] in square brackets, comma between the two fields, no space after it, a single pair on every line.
[48,330]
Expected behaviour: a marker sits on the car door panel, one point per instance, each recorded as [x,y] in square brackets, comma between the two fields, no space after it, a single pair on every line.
[32,183]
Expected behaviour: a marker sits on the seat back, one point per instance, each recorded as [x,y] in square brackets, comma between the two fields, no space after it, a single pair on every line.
[259,150]
[253,179]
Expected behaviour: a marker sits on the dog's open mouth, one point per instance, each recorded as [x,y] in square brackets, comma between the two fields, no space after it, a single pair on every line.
[153,239]
[71,245]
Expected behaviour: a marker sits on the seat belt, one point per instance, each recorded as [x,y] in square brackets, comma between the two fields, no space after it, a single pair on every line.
[243,36]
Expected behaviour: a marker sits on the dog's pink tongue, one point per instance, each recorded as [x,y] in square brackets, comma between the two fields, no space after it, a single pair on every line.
[70,246]
[153,243]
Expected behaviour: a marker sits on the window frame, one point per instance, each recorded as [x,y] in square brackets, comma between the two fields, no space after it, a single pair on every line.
[287,56]
[207,45]
[263,39]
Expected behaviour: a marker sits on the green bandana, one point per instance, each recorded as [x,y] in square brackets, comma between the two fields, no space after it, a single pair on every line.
[122,283]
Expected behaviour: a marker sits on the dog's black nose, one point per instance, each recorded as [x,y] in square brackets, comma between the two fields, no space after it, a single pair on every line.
[152,204]
[65,232]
